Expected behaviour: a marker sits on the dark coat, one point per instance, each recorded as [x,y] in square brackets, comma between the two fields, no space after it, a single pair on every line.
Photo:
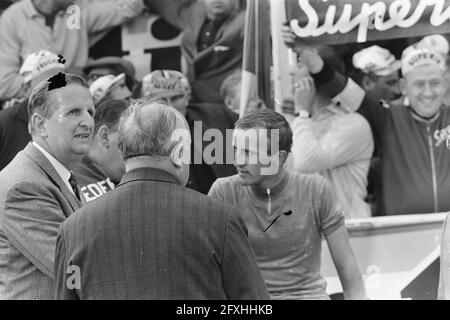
[14,134]
[151,238]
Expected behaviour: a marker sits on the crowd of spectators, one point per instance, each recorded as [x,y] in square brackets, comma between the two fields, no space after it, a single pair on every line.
[370,136]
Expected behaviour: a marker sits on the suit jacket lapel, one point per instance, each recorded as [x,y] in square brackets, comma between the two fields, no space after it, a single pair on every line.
[47,167]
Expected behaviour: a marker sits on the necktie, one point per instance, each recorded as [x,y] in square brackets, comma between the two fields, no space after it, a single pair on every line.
[73,183]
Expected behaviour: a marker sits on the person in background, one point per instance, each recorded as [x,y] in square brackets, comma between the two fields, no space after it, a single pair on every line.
[379,73]
[14,135]
[415,159]
[38,190]
[32,25]
[162,240]
[103,167]
[173,87]
[109,87]
[212,41]
[330,140]
[230,91]
[110,65]
[287,213]
[438,43]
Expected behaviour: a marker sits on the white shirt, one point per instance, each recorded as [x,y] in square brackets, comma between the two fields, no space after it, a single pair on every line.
[59,167]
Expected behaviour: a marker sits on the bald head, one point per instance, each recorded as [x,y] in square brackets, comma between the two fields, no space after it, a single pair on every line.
[150,129]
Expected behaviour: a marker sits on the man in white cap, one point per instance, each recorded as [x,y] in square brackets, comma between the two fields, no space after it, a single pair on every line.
[379,72]
[14,134]
[412,137]
[109,87]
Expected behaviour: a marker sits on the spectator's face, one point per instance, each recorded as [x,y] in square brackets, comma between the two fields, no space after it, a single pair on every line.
[233,101]
[113,164]
[220,7]
[68,132]
[387,87]
[252,160]
[96,73]
[179,101]
[425,87]
[119,91]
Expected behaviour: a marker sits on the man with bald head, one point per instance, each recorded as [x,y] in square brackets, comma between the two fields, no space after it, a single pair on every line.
[151,237]
[37,188]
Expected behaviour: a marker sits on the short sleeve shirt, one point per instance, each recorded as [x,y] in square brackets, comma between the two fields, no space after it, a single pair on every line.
[289,252]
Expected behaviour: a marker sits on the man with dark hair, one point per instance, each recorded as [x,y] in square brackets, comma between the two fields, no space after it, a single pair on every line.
[38,190]
[103,167]
[152,238]
[379,73]
[212,41]
[286,213]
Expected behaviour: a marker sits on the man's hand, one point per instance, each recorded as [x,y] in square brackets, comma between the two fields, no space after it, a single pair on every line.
[304,89]
[306,54]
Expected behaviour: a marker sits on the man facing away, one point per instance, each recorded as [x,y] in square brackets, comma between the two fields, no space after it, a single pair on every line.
[286,213]
[37,189]
[150,237]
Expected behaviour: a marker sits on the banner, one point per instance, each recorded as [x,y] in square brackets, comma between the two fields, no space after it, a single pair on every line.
[328,22]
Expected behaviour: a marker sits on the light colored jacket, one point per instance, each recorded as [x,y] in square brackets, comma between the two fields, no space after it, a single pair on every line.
[339,145]
[34,201]
[23,31]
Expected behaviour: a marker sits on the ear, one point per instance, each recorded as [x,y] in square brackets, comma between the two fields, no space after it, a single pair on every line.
[282,156]
[103,134]
[37,122]
[227,101]
[367,83]
[178,154]
[402,83]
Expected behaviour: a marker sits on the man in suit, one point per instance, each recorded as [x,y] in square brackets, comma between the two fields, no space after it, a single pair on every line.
[150,237]
[37,189]
[212,42]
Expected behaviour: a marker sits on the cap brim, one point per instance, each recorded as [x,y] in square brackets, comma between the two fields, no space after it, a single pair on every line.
[165,94]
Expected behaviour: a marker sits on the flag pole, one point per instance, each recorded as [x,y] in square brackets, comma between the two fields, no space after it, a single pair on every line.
[281,55]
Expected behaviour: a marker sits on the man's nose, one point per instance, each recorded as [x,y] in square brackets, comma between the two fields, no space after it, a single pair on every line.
[428,90]
[87,120]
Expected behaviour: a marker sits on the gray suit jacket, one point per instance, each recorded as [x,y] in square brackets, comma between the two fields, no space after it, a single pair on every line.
[33,202]
[151,238]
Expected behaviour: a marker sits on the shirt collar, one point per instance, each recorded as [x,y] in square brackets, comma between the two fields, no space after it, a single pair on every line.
[59,167]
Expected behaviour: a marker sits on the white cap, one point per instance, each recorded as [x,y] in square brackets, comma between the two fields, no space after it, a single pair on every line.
[413,57]
[435,43]
[100,87]
[376,60]
[37,63]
